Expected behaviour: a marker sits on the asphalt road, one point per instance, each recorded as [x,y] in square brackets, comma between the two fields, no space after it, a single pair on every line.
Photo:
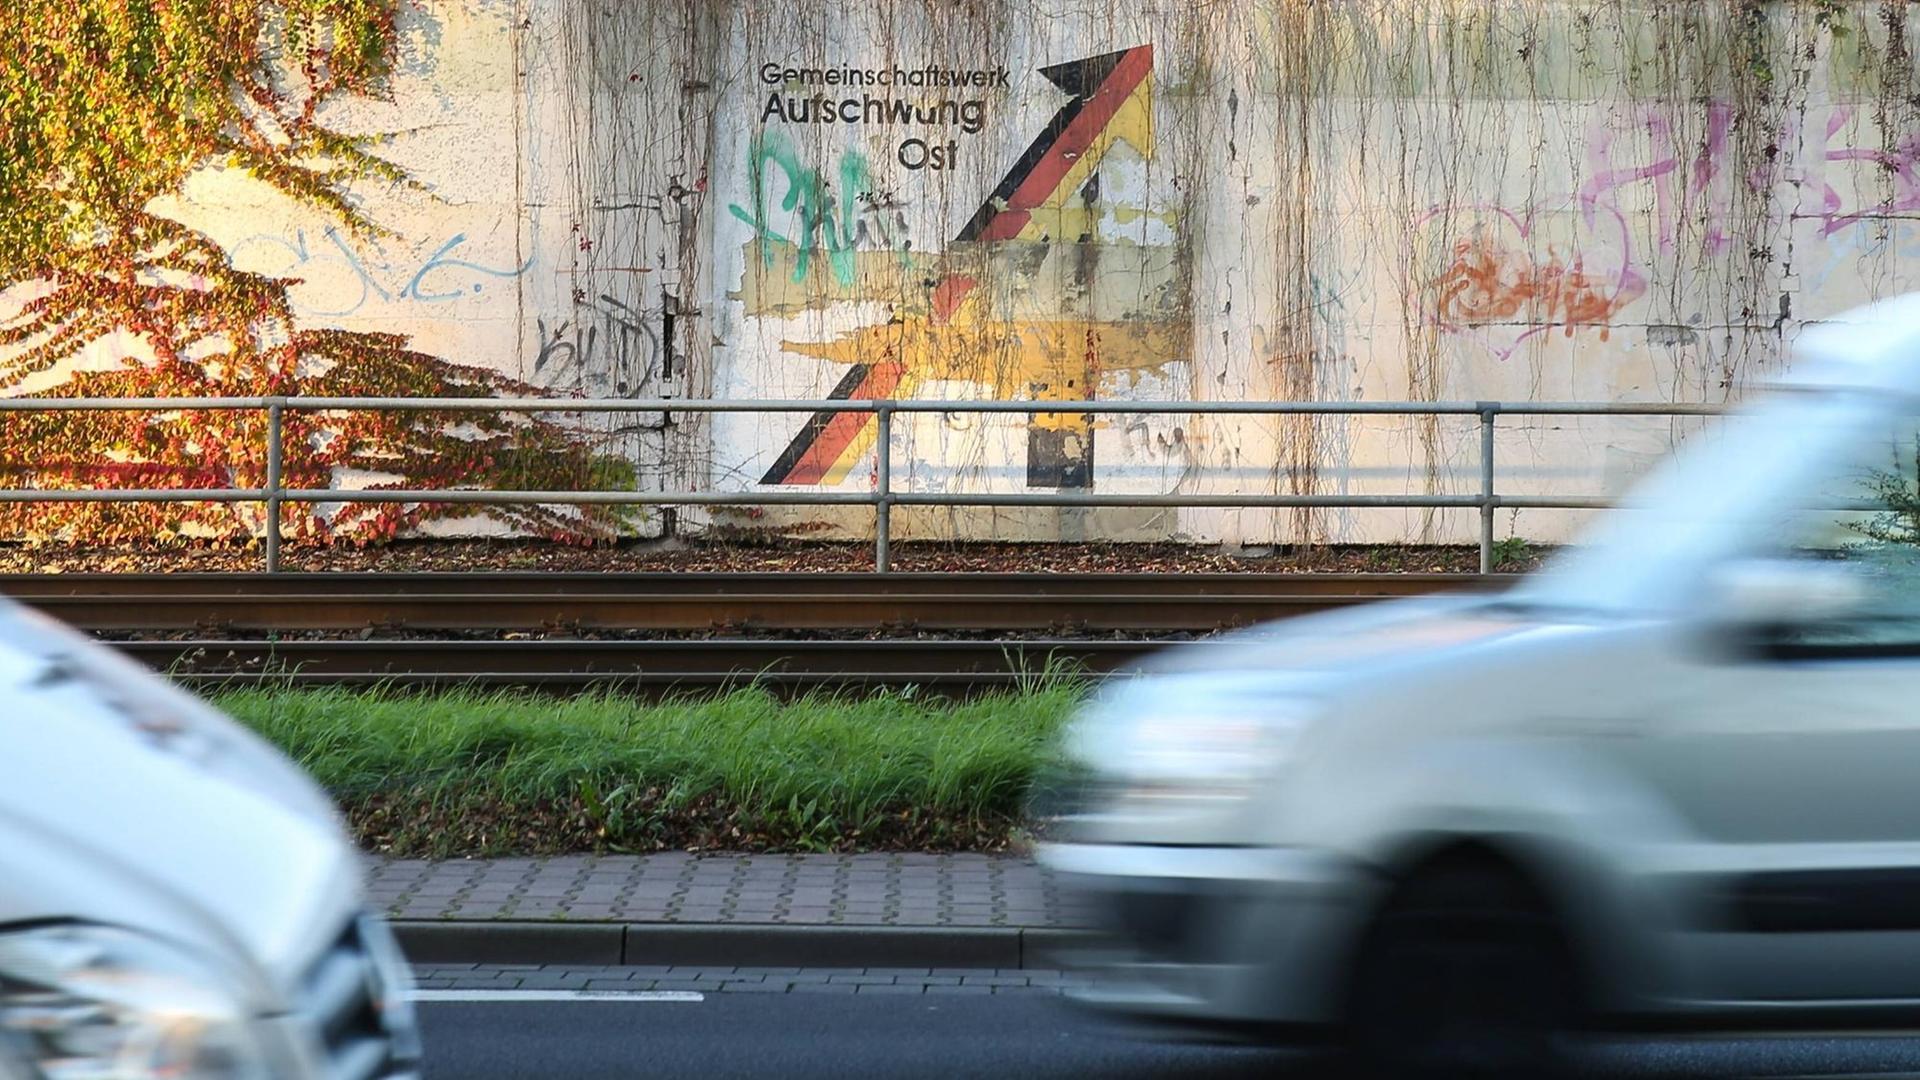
[801,1035]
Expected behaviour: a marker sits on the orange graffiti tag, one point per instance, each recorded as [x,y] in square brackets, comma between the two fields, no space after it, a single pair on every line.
[1488,283]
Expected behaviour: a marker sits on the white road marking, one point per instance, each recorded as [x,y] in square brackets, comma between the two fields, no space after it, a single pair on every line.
[494,997]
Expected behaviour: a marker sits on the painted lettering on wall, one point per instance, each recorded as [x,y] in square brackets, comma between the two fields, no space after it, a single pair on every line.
[889,106]
[1495,278]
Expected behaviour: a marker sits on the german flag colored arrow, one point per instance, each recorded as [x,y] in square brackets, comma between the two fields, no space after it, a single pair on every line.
[1056,163]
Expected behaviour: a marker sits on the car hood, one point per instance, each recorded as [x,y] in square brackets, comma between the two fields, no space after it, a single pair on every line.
[1317,649]
[156,711]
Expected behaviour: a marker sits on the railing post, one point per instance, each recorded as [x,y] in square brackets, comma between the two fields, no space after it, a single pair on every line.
[883,496]
[275,407]
[1488,410]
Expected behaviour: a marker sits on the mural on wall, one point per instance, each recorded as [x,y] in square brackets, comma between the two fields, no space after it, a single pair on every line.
[999,199]
[970,312]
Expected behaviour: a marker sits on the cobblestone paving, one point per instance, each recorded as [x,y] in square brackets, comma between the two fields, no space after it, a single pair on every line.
[744,980]
[832,890]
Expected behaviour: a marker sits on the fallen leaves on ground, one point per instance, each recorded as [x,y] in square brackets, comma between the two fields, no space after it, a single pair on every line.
[769,557]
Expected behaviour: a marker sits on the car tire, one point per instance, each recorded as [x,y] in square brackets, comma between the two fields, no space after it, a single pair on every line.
[1466,972]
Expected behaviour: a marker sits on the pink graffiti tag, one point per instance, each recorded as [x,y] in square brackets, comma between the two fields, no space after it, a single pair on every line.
[1707,194]
[1899,163]
[1665,153]
[1807,170]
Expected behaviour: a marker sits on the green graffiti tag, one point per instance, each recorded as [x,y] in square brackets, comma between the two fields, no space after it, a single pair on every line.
[826,217]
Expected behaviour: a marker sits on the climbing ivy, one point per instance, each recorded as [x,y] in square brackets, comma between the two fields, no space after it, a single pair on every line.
[107,107]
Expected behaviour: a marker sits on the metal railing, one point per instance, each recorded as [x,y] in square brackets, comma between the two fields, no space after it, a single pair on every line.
[882,498]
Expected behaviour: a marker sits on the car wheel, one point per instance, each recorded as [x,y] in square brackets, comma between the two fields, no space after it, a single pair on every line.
[1465,973]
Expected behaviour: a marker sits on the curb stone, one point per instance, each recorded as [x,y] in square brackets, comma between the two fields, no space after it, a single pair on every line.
[497,941]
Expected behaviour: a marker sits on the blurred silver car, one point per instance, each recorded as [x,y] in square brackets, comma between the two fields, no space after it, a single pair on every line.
[178,899]
[1671,780]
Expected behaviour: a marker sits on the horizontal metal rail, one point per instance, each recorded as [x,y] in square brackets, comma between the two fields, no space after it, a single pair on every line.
[883,498]
[640,665]
[682,603]
[866,405]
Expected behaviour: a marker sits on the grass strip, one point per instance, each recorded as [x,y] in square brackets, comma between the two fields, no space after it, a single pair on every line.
[471,772]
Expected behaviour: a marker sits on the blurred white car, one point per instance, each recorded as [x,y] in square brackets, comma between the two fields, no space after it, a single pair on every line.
[1671,780]
[177,899]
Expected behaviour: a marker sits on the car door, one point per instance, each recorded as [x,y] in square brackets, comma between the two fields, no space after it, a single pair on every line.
[1792,752]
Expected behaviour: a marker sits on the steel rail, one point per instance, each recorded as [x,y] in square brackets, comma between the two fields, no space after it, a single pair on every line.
[1131,602]
[637,665]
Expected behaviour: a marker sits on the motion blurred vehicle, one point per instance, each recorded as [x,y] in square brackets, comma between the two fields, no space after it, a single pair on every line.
[1672,780]
[178,899]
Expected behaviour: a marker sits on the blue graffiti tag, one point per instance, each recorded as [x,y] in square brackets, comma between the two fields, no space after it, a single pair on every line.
[370,279]
[439,261]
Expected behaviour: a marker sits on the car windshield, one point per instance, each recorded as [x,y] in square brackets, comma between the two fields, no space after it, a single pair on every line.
[1748,489]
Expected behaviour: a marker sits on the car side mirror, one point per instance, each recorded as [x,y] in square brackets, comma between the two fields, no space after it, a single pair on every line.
[1783,592]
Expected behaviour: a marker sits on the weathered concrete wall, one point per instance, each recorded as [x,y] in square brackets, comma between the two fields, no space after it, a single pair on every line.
[554,229]
[1426,199]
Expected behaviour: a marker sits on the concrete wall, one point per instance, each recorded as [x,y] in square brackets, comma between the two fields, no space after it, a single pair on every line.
[1380,199]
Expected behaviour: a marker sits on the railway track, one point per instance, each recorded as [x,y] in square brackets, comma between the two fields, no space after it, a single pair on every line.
[646,665]
[1137,603]
[654,631]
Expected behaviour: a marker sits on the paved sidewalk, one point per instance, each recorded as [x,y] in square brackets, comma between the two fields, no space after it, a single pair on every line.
[881,890]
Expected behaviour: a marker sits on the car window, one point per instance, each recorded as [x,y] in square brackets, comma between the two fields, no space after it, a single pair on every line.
[1867,520]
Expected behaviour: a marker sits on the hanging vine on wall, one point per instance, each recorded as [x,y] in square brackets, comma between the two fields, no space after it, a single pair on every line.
[107,106]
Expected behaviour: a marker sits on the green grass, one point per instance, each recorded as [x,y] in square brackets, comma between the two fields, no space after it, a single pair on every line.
[472,772]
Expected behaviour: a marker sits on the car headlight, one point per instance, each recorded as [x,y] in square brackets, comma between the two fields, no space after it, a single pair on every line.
[96,1003]
[1169,742]
[393,990]
[1230,750]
